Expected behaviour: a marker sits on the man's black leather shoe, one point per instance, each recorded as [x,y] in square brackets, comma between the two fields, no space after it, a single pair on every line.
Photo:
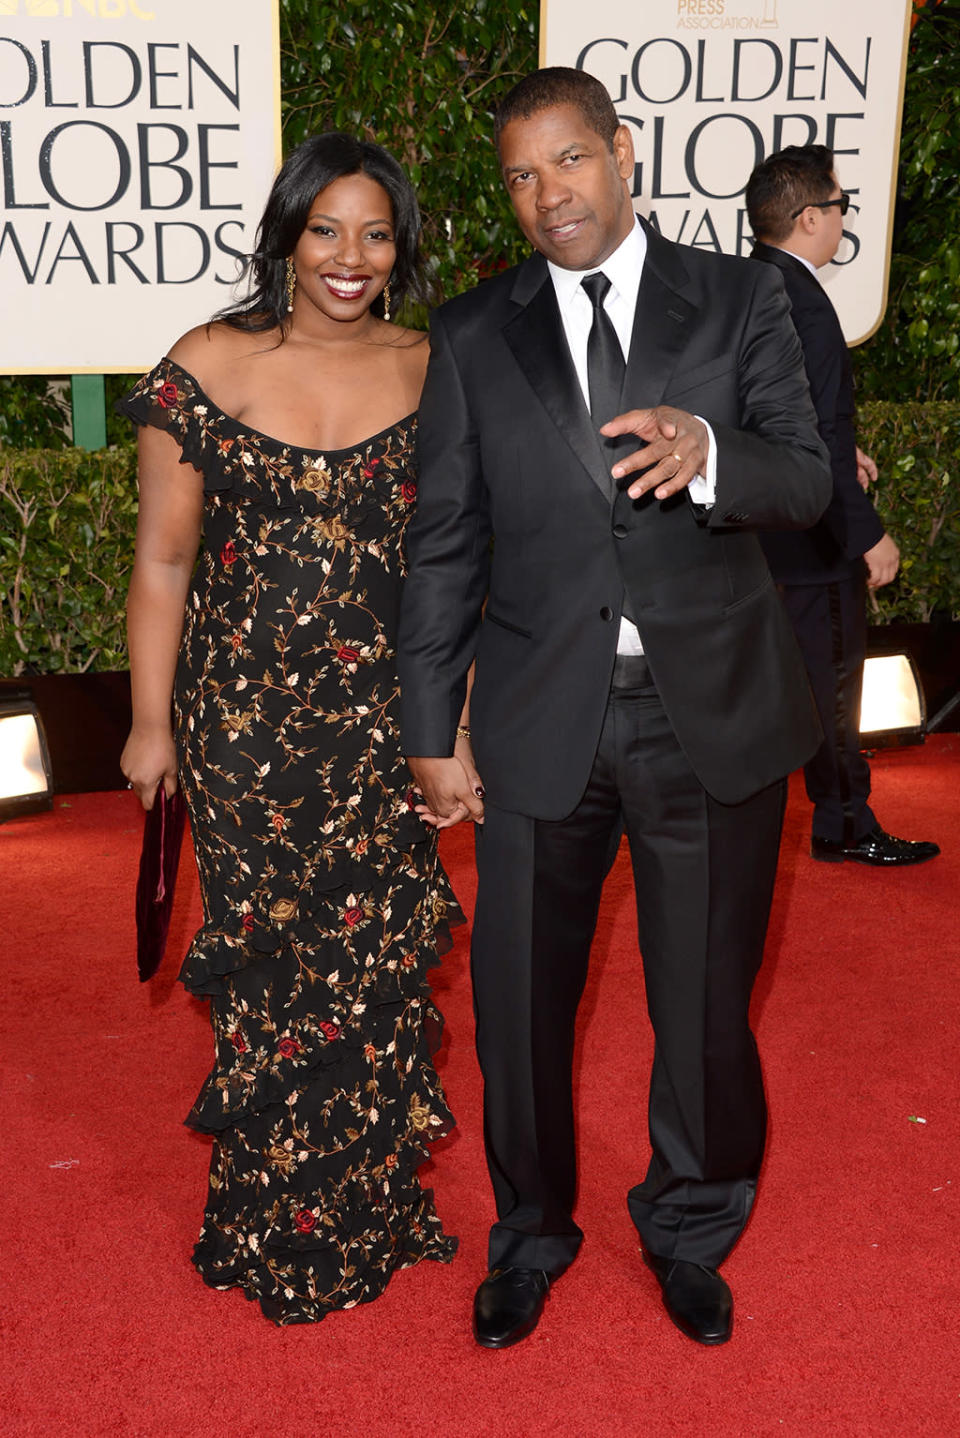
[696,1298]
[877,847]
[508,1305]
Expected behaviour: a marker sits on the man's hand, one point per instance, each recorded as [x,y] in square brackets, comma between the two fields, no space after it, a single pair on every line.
[882,561]
[866,470]
[451,790]
[676,450]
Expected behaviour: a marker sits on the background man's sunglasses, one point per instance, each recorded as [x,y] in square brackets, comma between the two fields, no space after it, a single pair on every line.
[842,200]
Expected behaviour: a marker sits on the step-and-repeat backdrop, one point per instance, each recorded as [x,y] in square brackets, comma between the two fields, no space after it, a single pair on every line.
[711,87]
[138,140]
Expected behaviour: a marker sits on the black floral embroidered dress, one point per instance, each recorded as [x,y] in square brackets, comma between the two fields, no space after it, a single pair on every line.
[323,897]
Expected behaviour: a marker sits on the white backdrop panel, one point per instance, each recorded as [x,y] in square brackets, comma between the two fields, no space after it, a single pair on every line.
[710,87]
[139,139]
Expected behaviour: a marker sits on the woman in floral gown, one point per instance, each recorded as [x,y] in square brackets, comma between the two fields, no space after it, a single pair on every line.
[282,434]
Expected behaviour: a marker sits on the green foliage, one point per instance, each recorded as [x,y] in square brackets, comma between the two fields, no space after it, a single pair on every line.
[914,354]
[33,412]
[917,450]
[421,79]
[67,523]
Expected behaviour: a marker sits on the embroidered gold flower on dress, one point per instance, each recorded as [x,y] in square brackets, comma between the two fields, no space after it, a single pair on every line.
[334,531]
[419,1114]
[282,1159]
[238,723]
[282,910]
[315,479]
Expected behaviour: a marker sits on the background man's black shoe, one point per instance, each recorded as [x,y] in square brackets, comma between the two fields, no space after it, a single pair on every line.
[696,1298]
[877,847]
[508,1305]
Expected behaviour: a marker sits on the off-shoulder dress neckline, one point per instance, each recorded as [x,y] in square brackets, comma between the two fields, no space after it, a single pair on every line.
[271,439]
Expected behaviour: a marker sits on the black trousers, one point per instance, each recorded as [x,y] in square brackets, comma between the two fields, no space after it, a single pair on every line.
[704,877]
[830,622]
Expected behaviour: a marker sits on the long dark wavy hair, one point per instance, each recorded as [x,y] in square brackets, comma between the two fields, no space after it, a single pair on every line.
[308,170]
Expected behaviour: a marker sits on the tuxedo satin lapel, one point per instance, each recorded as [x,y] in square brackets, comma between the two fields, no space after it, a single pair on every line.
[535,335]
[661,327]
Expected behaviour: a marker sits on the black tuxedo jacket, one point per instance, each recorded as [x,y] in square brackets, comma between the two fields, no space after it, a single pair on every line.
[850,526]
[508,454]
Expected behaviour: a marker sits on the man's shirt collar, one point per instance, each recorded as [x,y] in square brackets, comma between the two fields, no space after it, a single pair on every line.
[623,269]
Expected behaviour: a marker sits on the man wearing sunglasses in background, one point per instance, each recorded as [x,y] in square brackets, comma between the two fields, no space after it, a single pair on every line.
[796,208]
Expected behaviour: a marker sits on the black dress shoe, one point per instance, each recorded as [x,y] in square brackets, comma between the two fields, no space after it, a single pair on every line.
[876,847]
[696,1298]
[508,1305]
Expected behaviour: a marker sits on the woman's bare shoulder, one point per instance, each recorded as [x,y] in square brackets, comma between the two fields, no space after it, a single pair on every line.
[412,350]
[206,349]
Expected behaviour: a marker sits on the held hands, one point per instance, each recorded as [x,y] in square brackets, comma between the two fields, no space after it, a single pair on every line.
[451,788]
[675,453]
[149,756]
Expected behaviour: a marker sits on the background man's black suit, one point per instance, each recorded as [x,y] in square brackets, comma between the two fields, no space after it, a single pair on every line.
[822,569]
[508,453]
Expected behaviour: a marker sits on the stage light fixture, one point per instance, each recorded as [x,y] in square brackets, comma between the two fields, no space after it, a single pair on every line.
[892,708]
[26,779]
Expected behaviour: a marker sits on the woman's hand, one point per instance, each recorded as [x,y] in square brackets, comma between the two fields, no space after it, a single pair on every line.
[149,756]
[451,789]
[463,750]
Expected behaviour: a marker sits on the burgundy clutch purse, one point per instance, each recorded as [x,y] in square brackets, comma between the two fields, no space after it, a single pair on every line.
[159,861]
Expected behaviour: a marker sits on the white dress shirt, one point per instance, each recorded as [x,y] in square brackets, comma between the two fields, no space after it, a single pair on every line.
[812,268]
[623,269]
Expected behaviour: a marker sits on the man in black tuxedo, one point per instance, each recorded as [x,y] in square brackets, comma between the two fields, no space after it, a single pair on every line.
[634,669]
[796,210]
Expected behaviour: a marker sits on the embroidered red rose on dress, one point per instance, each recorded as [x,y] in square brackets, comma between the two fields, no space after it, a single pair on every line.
[347,654]
[409,491]
[329,1029]
[167,395]
[352,916]
[304,1220]
[288,1048]
[368,469]
[228,555]
[239,1042]
[279,822]
[248,923]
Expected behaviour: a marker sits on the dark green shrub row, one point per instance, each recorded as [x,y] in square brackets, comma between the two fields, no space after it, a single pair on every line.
[67,521]
[917,450]
[67,524]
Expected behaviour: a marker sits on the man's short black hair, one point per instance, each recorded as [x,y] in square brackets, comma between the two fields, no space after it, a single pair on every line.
[559,85]
[786,181]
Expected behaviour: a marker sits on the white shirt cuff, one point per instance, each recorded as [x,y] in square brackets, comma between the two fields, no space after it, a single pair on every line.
[703,488]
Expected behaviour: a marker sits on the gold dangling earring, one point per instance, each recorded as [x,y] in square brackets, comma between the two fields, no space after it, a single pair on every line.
[291,285]
[386,303]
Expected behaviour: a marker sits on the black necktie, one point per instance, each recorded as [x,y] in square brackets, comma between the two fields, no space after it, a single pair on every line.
[605,371]
[605,363]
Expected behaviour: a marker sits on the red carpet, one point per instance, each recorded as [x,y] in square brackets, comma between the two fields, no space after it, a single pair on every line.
[846,1281]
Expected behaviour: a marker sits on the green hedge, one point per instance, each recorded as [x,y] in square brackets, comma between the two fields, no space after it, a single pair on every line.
[917,450]
[67,524]
[67,521]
